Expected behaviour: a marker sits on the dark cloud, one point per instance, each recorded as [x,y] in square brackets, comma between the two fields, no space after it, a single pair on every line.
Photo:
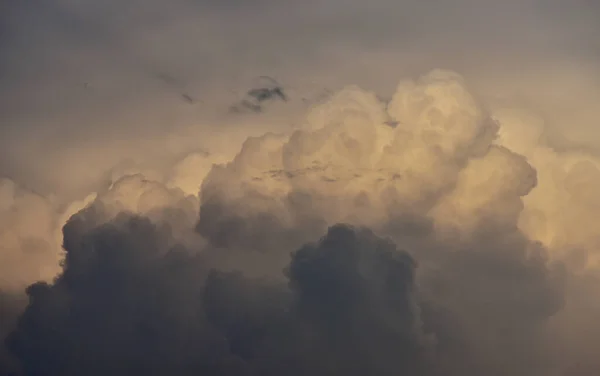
[125,304]
[490,303]
[132,301]
[223,226]
[11,306]
[128,303]
[357,292]
[266,89]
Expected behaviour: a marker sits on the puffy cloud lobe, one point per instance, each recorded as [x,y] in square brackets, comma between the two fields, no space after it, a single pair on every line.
[185,172]
[520,130]
[352,164]
[163,205]
[106,307]
[137,194]
[561,210]
[31,224]
[439,109]
[489,190]
[189,173]
[358,293]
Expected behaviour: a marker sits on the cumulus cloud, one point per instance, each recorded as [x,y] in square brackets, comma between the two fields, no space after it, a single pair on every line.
[560,212]
[355,167]
[207,221]
[227,277]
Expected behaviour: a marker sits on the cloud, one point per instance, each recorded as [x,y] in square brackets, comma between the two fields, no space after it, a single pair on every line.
[130,299]
[11,306]
[128,302]
[355,167]
[487,179]
[559,211]
[437,270]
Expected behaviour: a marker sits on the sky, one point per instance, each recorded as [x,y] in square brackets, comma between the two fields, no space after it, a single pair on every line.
[423,202]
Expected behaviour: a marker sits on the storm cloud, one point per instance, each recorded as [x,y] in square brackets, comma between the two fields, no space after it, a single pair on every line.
[423,201]
[128,303]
